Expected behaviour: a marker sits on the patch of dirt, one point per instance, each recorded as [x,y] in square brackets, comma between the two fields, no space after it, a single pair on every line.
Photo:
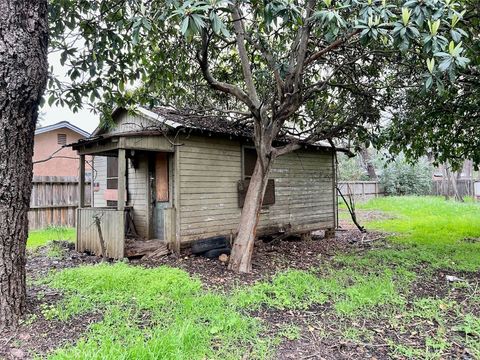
[323,334]
[37,335]
[267,259]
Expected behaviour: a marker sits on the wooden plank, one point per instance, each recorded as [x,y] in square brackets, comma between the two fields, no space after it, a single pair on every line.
[112,225]
[161,177]
[177,201]
[81,188]
[148,143]
[121,180]
[144,247]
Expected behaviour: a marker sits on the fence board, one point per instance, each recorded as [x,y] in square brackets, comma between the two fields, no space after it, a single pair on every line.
[363,190]
[54,200]
[465,187]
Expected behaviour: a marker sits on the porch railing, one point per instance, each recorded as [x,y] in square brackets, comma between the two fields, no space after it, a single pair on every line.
[112,224]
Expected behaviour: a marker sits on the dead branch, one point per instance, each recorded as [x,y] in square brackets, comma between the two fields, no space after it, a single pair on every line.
[100,236]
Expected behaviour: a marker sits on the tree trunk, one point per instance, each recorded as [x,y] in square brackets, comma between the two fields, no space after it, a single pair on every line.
[454,176]
[445,182]
[23,75]
[240,259]
[367,160]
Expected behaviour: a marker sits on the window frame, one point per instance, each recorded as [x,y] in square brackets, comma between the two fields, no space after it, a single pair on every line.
[244,178]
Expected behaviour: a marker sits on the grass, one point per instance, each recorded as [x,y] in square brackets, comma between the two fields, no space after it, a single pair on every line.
[38,238]
[426,220]
[429,230]
[164,313]
[348,292]
[160,313]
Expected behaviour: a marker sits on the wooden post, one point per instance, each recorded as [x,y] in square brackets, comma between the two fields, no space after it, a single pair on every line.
[170,230]
[81,182]
[176,202]
[121,179]
[92,183]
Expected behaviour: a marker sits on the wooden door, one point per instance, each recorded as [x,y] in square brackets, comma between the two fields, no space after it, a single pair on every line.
[160,193]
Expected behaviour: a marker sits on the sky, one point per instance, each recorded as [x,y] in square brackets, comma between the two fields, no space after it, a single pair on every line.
[83,119]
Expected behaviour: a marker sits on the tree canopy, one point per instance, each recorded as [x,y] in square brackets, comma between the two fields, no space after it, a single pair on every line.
[445,126]
[329,67]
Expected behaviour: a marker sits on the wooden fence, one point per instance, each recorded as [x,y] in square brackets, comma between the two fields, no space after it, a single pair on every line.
[465,187]
[362,190]
[54,200]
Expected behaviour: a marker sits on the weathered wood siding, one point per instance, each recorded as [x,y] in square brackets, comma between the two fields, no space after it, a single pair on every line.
[138,190]
[113,228]
[208,173]
[303,193]
[125,122]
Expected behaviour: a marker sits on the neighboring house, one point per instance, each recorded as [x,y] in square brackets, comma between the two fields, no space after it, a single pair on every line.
[50,155]
[182,178]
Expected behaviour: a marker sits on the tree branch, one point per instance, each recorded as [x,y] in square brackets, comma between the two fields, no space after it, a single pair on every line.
[279,151]
[242,52]
[270,62]
[302,47]
[332,46]
[202,58]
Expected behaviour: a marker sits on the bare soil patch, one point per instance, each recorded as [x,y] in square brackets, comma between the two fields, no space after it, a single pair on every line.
[323,335]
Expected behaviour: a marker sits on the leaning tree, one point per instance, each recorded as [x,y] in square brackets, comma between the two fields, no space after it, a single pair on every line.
[23,74]
[296,71]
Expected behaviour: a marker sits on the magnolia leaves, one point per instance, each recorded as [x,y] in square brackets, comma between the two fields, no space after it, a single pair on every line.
[196,15]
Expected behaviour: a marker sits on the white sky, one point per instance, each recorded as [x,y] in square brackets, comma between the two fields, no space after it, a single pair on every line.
[83,119]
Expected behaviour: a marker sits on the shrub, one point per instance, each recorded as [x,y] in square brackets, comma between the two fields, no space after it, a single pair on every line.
[401,178]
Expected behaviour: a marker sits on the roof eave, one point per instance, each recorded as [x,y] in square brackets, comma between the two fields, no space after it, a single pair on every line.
[61,125]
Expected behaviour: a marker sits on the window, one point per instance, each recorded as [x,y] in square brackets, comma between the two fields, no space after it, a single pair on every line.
[112,172]
[61,139]
[249,161]
[112,178]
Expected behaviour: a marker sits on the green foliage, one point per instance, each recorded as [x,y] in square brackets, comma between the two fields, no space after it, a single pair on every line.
[339,59]
[351,168]
[293,289]
[368,293]
[402,178]
[445,125]
[470,329]
[290,332]
[38,238]
[350,293]
[159,313]
[55,249]
[164,313]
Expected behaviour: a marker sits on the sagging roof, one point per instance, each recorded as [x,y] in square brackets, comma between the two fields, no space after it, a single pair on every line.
[61,125]
[176,120]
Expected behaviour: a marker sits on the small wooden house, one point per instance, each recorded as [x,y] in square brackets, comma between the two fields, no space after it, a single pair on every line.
[162,175]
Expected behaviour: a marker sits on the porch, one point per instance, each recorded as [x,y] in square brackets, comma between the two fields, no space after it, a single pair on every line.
[132,208]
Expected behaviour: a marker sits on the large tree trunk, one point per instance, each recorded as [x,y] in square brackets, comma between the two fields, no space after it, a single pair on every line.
[23,74]
[240,259]
[367,160]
